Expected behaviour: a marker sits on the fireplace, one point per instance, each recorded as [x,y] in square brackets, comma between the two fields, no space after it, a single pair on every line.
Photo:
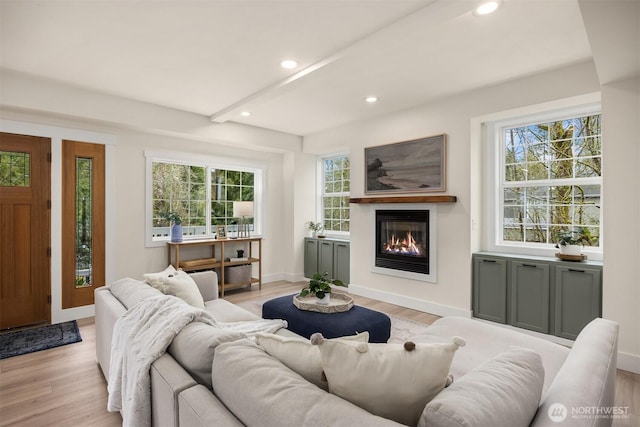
[403,240]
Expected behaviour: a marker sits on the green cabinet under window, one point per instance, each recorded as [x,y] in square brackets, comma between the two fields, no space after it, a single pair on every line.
[310,257]
[578,299]
[327,256]
[530,296]
[541,294]
[490,289]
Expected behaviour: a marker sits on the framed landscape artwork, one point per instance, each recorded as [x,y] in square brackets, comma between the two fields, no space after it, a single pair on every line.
[410,166]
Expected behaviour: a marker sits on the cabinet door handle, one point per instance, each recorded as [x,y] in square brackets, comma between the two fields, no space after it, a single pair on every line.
[576,271]
[530,265]
[488,260]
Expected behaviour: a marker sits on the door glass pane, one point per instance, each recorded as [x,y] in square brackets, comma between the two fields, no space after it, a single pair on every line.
[84,211]
[15,169]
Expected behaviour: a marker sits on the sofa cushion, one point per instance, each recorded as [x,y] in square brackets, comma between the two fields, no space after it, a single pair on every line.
[485,341]
[130,291]
[224,311]
[394,381]
[194,348]
[503,392]
[261,391]
[299,355]
[177,283]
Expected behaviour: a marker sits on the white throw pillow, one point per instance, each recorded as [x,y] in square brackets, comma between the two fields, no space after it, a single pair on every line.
[183,286]
[177,283]
[299,355]
[503,392]
[157,280]
[394,381]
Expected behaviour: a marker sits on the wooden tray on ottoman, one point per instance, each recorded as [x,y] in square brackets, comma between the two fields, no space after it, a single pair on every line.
[339,303]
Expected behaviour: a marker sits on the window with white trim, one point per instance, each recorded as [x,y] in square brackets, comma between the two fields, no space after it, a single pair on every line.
[550,179]
[201,195]
[336,186]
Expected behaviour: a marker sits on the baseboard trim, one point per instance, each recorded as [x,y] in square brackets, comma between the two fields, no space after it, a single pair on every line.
[629,362]
[409,302]
[288,277]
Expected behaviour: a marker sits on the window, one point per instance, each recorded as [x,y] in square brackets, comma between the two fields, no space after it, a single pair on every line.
[550,179]
[14,169]
[336,177]
[202,196]
[228,186]
[180,189]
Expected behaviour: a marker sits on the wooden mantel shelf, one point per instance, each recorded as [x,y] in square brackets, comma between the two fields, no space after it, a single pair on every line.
[405,199]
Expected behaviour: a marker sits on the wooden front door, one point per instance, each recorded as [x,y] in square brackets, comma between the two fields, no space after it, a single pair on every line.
[25,267]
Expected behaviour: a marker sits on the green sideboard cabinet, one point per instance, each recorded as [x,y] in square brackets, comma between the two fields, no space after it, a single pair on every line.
[327,255]
[541,294]
[578,298]
[529,289]
[490,288]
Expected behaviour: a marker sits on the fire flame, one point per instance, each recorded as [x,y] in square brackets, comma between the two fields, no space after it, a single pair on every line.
[405,246]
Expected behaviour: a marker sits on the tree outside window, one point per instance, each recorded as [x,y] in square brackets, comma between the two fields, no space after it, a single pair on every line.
[552,180]
[335,195]
[201,196]
[228,186]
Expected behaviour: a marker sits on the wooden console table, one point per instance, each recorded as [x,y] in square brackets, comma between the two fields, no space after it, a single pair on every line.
[217,259]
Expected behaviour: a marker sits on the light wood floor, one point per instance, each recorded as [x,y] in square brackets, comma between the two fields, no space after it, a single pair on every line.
[64,386]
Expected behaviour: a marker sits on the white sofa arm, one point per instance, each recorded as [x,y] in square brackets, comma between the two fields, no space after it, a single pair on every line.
[207,282]
[198,407]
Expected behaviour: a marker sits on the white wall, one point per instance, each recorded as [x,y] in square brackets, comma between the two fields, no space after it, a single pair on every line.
[456,240]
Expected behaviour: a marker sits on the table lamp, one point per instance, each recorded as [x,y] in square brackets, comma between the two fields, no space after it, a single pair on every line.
[242,210]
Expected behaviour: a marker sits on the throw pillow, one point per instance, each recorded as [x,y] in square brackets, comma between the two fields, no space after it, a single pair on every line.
[177,283]
[195,345]
[394,381]
[157,280]
[183,286]
[299,355]
[505,391]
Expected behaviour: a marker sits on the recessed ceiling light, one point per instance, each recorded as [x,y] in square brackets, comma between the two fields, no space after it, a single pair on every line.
[288,64]
[371,99]
[245,114]
[487,8]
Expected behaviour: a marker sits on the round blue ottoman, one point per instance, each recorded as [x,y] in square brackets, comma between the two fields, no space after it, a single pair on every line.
[331,325]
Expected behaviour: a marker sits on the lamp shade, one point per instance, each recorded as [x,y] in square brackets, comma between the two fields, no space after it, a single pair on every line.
[242,209]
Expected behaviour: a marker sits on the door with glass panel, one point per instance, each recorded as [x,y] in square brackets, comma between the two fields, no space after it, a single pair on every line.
[83,222]
[25,271]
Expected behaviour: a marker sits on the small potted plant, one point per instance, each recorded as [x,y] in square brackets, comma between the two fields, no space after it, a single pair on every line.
[320,286]
[176,226]
[571,242]
[316,228]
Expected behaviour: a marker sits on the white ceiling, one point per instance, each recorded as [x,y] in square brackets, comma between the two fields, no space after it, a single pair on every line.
[218,58]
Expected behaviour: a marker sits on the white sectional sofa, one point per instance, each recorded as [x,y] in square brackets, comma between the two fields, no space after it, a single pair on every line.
[244,385]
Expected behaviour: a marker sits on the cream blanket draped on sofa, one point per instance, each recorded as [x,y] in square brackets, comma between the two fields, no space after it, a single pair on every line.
[141,336]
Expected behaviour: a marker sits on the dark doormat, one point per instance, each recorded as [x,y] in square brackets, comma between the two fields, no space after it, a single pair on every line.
[40,338]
